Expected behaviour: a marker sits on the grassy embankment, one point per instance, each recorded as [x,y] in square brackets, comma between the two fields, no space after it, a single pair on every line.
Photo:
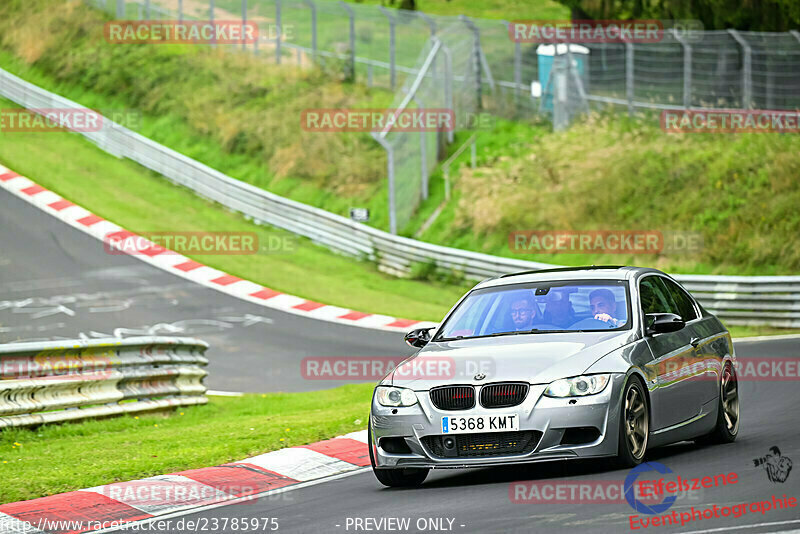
[57,458]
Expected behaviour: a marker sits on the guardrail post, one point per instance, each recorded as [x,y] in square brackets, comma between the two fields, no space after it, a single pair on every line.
[392,62]
[278,32]
[687,69]
[352,17]
[628,75]
[120,9]
[313,7]
[747,65]
[796,34]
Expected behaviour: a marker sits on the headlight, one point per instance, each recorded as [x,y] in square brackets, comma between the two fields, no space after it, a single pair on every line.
[392,396]
[578,386]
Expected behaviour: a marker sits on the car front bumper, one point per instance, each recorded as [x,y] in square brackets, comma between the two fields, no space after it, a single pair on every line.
[549,416]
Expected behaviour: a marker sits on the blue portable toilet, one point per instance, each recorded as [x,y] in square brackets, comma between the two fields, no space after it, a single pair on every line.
[546,53]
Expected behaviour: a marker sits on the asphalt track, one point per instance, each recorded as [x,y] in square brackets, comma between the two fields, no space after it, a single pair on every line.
[57,282]
[478,500]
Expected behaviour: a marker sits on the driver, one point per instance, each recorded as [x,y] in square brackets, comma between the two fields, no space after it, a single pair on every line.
[604,306]
[523,313]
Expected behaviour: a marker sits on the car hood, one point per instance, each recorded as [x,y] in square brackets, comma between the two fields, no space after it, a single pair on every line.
[534,358]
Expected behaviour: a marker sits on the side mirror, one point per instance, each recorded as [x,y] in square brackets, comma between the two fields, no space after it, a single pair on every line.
[419,338]
[661,323]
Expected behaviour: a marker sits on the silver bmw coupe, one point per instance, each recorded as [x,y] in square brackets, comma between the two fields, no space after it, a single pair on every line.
[553,365]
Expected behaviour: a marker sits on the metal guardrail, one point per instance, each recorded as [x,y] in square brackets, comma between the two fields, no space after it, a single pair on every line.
[770,300]
[56,381]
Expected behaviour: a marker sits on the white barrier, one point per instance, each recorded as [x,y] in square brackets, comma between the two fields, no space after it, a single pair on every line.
[54,381]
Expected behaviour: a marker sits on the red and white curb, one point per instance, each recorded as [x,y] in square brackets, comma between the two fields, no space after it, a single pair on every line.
[174,263]
[112,505]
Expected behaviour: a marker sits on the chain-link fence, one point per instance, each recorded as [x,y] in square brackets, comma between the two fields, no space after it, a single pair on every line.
[491,71]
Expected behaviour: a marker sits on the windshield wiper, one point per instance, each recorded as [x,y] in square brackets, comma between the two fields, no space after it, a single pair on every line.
[496,334]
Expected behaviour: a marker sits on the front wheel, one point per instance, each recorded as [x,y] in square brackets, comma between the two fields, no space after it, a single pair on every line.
[634,424]
[395,478]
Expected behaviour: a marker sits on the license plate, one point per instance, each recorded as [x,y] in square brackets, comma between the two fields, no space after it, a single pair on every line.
[469,424]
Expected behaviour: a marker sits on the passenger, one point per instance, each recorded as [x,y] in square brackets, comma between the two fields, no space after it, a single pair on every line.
[523,313]
[604,307]
[558,310]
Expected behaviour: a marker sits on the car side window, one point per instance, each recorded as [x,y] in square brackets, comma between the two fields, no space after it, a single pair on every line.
[682,300]
[652,297]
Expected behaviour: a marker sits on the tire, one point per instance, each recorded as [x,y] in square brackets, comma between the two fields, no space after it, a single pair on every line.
[727,426]
[407,477]
[634,424]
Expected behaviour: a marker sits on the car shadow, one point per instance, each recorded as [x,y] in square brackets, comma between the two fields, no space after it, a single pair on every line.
[549,470]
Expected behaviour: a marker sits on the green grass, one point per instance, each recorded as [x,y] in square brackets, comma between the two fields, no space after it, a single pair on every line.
[57,458]
[739,192]
[141,201]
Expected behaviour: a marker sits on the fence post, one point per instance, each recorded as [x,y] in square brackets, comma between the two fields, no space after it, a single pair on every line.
[448,86]
[244,23]
[473,152]
[517,72]
[423,154]
[476,57]
[147,10]
[747,63]
[120,9]
[352,18]
[629,76]
[392,64]
[313,8]
[687,69]
[278,32]
[211,19]
[180,10]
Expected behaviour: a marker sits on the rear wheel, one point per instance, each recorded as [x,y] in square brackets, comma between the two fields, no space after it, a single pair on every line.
[396,478]
[727,425]
[634,424]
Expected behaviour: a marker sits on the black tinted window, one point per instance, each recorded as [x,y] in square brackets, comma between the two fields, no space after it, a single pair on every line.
[681,299]
[653,297]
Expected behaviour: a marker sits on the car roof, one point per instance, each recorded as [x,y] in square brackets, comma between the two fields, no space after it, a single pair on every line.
[591,272]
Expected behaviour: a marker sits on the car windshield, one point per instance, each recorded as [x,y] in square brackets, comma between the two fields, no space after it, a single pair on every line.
[540,307]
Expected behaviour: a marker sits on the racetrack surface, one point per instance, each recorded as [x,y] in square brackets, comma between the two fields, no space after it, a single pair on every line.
[478,500]
[59,283]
